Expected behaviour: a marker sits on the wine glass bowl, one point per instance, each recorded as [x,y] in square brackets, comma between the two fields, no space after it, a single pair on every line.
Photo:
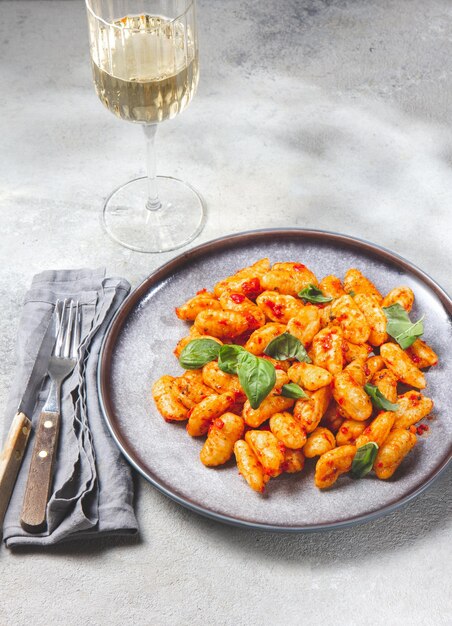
[144,57]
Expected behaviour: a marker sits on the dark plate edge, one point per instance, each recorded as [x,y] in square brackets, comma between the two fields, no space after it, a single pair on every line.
[237,239]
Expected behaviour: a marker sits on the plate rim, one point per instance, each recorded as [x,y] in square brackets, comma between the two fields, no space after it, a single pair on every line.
[235,239]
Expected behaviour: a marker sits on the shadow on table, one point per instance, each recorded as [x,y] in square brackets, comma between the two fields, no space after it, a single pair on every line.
[428,513]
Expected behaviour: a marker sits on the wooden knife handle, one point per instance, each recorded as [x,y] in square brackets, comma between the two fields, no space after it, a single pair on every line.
[40,474]
[11,459]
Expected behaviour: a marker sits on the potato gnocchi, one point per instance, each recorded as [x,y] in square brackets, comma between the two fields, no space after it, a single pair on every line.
[331,379]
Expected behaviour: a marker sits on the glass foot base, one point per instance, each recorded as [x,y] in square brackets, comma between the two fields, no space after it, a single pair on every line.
[178,221]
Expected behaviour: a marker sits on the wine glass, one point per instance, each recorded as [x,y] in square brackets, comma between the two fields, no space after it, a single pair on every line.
[144,56]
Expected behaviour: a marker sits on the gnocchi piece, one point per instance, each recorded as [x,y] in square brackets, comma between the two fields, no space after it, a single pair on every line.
[210,408]
[403,367]
[375,318]
[223,433]
[305,325]
[356,282]
[321,440]
[310,377]
[238,302]
[261,337]
[350,318]
[271,405]
[222,324]
[397,445]
[200,302]
[326,316]
[352,351]
[378,429]
[401,295]
[181,345]
[249,467]
[356,371]
[413,406]
[287,429]
[282,378]
[332,419]
[293,461]
[332,464]
[421,354]
[249,286]
[168,405]
[372,366]
[279,307]
[288,278]
[332,287]
[190,388]
[351,397]
[349,432]
[386,383]
[268,450]
[326,349]
[245,281]
[220,381]
[279,365]
[310,412]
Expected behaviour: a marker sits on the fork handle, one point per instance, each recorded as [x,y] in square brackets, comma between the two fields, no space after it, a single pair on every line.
[40,473]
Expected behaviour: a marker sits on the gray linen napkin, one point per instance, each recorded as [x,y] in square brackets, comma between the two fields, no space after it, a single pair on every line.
[92,491]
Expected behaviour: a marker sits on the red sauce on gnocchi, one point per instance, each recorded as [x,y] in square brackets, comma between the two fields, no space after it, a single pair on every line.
[316,389]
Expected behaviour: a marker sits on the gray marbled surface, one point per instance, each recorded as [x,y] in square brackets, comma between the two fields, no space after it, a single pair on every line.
[325,114]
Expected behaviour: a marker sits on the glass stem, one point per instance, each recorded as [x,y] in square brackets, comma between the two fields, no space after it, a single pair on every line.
[153,203]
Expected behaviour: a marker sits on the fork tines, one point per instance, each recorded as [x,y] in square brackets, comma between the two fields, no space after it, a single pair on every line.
[68,328]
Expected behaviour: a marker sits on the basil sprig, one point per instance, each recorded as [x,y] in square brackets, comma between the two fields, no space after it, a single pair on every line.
[313,294]
[199,352]
[378,399]
[286,346]
[257,377]
[400,327]
[364,459]
[292,390]
[228,358]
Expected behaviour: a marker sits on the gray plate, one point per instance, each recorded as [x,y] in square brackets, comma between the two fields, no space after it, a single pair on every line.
[139,348]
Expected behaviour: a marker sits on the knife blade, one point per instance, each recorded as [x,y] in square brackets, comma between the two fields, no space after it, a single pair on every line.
[17,438]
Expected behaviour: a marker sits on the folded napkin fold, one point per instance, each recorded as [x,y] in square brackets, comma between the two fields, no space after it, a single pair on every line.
[92,492]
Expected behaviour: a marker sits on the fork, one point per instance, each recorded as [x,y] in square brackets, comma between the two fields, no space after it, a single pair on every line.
[61,364]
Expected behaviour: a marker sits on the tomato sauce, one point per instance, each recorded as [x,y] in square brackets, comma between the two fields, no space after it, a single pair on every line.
[275,308]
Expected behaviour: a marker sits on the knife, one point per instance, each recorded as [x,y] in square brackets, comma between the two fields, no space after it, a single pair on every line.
[17,438]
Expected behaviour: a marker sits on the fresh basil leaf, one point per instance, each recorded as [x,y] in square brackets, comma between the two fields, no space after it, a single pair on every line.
[228,358]
[409,336]
[257,377]
[199,352]
[292,390]
[364,459]
[313,294]
[400,327]
[378,399]
[352,293]
[286,346]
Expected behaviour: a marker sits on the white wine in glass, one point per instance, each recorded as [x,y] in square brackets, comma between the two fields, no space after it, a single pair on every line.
[144,56]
